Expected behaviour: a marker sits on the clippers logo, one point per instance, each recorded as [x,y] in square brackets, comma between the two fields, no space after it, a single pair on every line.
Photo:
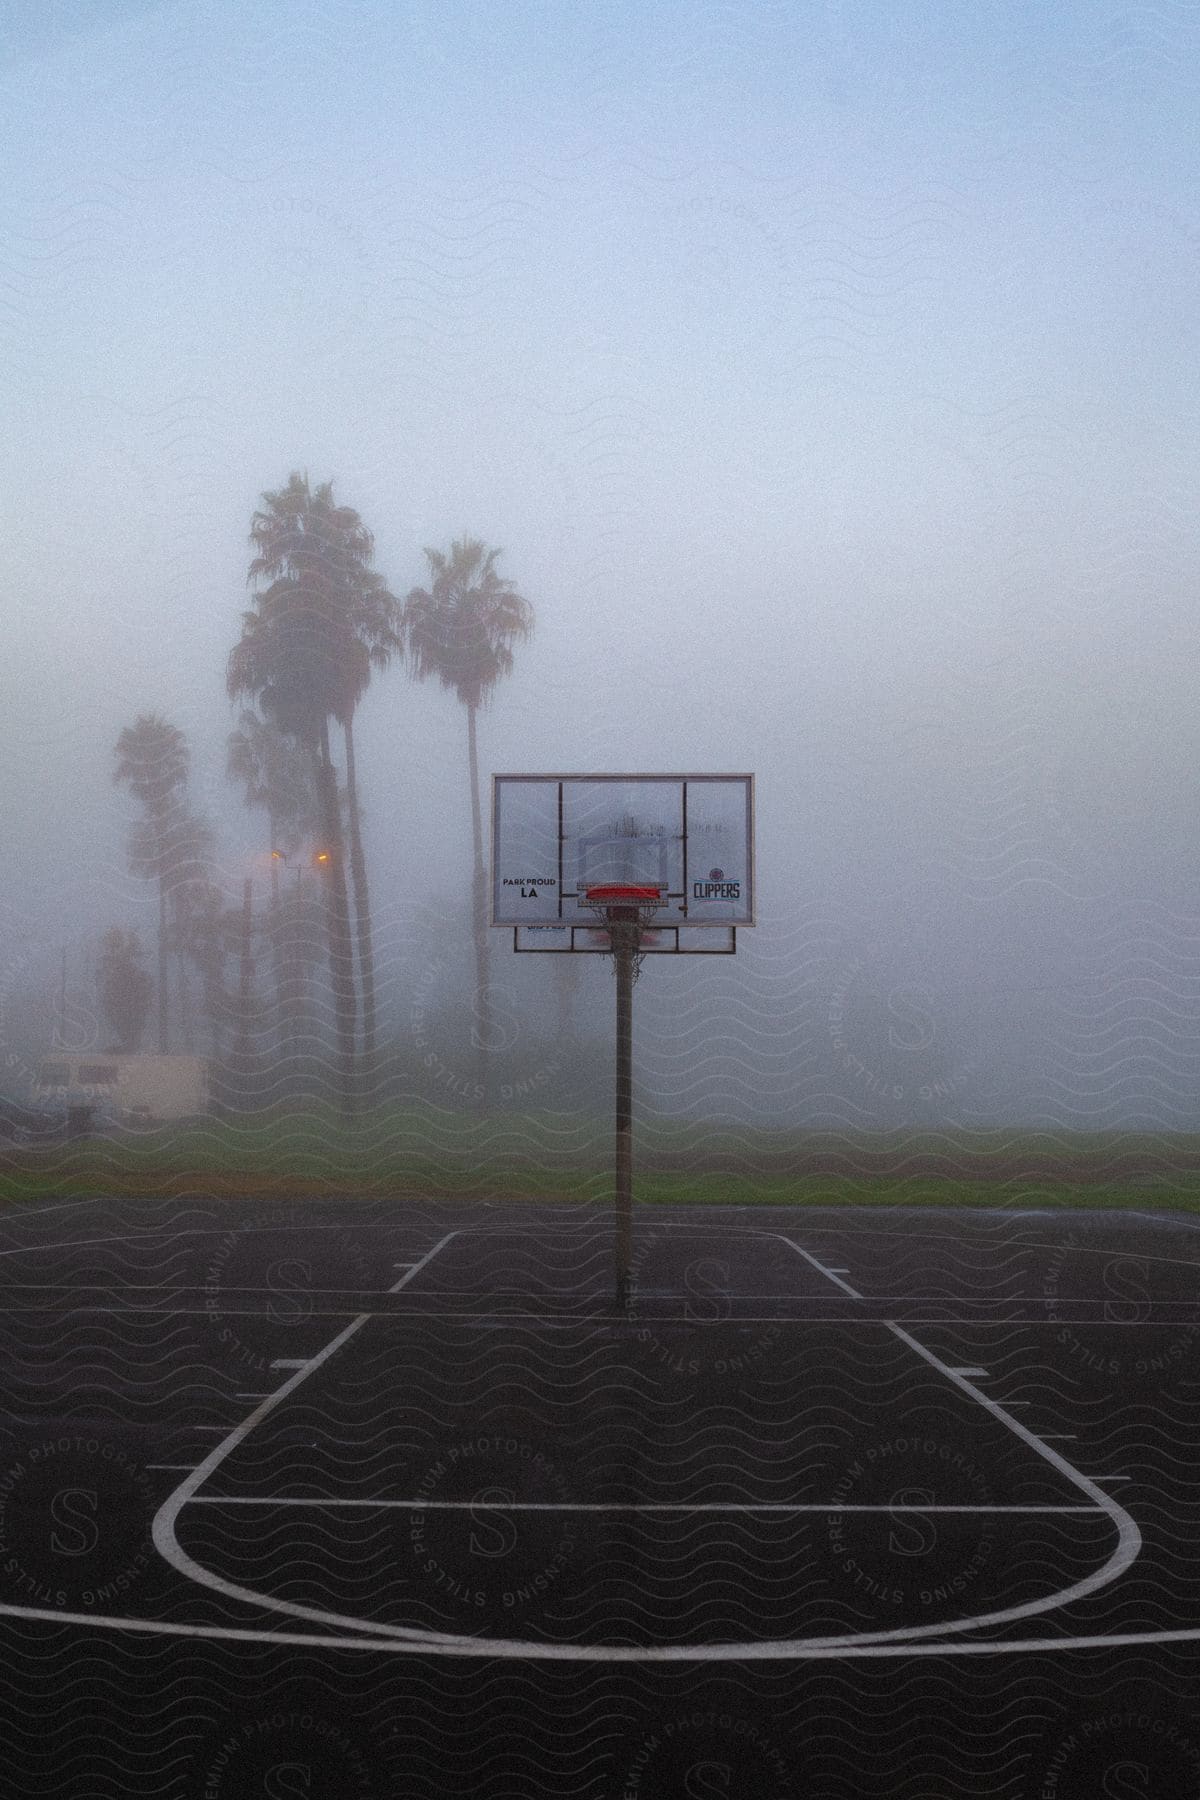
[716,887]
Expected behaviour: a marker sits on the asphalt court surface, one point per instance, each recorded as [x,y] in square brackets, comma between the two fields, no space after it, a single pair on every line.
[948,1447]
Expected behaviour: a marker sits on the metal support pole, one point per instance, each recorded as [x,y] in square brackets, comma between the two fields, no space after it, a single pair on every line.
[623,953]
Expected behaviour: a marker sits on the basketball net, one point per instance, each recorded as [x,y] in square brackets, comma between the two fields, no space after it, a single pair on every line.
[625,914]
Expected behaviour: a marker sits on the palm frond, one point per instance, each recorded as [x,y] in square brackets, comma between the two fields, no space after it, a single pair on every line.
[462,627]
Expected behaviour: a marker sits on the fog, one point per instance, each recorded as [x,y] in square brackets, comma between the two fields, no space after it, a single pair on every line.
[826,376]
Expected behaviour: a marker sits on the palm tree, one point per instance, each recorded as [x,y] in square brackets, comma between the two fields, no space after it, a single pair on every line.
[308,648]
[125,988]
[152,761]
[375,616]
[280,661]
[275,773]
[462,629]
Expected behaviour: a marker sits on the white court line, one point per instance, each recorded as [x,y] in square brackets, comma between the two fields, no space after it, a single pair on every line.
[35,1211]
[508,1649]
[163,1531]
[1128,1544]
[1129,1538]
[402,1641]
[831,1274]
[602,1315]
[153,1231]
[114,1283]
[618,1506]
[1062,1215]
[829,1229]
[573,1321]
[48,1245]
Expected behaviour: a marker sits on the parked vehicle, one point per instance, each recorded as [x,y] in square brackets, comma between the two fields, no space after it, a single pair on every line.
[30,1124]
[126,1087]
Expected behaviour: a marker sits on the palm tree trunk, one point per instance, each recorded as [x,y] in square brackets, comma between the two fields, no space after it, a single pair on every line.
[341,950]
[183,991]
[162,964]
[185,1002]
[362,909]
[245,1059]
[277,957]
[483,1023]
[300,963]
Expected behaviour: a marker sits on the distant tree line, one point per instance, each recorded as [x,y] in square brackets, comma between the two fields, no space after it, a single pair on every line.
[321,623]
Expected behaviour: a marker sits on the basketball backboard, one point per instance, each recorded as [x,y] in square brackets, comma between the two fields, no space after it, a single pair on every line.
[556,836]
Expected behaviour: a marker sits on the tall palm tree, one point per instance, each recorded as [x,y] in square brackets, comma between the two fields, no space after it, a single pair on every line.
[309,529]
[375,616]
[152,761]
[308,648]
[281,661]
[275,774]
[462,629]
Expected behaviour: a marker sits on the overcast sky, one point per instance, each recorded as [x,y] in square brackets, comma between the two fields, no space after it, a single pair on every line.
[826,371]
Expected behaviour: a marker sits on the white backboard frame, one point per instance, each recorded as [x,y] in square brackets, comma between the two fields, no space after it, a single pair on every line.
[688,843]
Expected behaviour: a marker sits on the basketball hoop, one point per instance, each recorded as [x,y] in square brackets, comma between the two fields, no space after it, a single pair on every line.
[625,913]
[661,862]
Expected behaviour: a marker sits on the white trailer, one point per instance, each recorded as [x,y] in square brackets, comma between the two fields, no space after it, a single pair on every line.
[143,1086]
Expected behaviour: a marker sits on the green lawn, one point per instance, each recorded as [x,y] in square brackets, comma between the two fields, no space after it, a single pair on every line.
[425,1151]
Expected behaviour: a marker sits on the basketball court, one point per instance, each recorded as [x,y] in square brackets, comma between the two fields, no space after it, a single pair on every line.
[808,1436]
[638,1500]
